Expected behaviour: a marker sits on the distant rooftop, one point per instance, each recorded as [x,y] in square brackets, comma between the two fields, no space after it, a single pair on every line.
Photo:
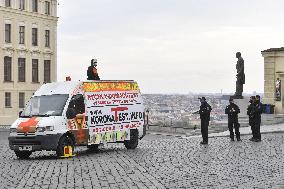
[274,49]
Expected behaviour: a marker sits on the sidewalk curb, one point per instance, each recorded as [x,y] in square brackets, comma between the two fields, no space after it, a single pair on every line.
[265,132]
[4,128]
[196,136]
[165,134]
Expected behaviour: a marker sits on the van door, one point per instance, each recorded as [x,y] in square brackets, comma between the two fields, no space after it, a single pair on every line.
[77,125]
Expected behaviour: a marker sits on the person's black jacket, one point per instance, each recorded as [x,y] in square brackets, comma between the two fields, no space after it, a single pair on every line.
[251,113]
[232,110]
[91,75]
[204,111]
[254,111]
[258,110]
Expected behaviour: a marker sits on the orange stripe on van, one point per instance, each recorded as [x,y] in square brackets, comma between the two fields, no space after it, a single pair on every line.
[28,126]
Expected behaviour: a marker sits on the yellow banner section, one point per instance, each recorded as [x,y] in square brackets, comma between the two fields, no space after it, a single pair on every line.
[108,137]
[110,86]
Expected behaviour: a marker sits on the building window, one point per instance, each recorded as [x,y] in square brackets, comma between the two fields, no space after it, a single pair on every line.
[8,33]
[22,69]
[35,5]
[22,35]
[47,7]
[34,36]
[8,100]
[22,5]
[35,70]
[47,38]
[7,3]
[7,68]
[46,71]
[21,100]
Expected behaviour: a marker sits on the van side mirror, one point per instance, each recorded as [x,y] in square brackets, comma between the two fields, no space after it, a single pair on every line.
[20,112]
[70,113]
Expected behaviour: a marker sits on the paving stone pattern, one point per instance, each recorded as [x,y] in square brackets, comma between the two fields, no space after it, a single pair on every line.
[158,162]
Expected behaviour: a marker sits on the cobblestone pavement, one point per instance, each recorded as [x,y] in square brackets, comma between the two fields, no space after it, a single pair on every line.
[158,162]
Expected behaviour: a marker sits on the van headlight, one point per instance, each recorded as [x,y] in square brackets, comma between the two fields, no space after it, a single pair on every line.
[40,129]
[13,130]
[49,128]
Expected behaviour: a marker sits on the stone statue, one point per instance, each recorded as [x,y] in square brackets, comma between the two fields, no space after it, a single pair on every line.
[278,90]
[240,76]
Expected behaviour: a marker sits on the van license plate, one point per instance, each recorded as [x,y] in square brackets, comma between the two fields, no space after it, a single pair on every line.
[25,148]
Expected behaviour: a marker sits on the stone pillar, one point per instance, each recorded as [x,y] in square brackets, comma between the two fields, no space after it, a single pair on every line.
[273,69]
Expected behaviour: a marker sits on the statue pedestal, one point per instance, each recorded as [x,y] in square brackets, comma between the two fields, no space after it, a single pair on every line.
[243,104]
[237,97]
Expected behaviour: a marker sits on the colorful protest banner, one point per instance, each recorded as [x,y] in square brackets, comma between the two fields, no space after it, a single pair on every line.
[113,109]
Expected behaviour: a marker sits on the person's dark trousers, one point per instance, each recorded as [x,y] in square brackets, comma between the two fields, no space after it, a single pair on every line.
[257,134]
[204,129]
[255,128]
[231,126]
[252,131]
[251,127]
[237,130]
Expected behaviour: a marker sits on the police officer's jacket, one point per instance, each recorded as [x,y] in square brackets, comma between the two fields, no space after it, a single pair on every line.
[258,110]
[255,110]
[250,113]
[232,110]
[204,111]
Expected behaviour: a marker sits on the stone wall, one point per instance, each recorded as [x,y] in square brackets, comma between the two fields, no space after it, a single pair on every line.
[273,69]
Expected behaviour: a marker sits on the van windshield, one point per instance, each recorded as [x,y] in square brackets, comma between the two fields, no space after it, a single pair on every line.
[44,106]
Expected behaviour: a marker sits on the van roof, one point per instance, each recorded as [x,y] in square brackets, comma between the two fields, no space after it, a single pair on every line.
[65,87]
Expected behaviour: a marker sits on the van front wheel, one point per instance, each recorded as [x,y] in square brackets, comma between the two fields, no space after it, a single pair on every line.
[23,154]
[133,142]
[64,141]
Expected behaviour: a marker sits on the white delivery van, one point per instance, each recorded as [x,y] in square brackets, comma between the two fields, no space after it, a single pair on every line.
[88,113]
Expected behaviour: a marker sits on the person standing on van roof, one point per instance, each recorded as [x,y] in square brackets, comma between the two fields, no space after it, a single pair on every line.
[233,110]
[92,72]
[204,113]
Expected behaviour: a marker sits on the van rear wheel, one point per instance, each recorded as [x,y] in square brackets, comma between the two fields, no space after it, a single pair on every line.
[23,154]
[64,141]
[93,147]
[133,142]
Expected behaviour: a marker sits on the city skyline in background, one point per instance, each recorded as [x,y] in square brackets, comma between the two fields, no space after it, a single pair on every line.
[169,46]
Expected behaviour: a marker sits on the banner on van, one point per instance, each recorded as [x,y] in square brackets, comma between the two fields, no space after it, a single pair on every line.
[111,115]
[110,86]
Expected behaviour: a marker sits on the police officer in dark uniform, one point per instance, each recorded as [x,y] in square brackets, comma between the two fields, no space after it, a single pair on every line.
[233,110]
[204,113]
[254,112]
[92,72]
[257,122]
[249,113]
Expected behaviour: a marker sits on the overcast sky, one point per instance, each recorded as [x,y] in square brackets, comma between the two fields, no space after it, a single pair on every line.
[169,46]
